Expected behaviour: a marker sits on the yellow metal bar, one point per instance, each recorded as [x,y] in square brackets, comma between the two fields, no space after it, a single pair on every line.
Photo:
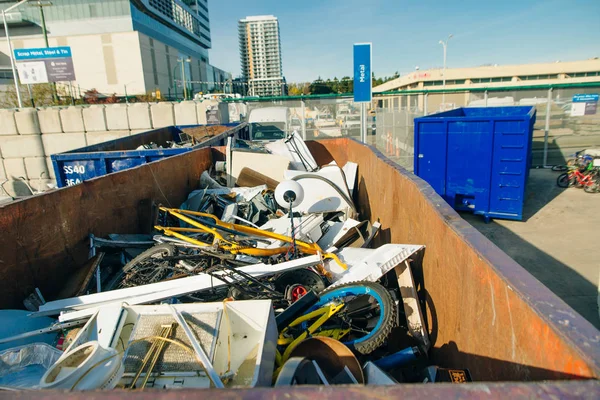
[309,248]
[327,312]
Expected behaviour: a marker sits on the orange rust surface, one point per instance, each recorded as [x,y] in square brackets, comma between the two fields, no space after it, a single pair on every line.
[484,311]
[45,238]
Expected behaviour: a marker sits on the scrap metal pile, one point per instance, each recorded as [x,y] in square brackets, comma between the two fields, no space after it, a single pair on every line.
[265,275]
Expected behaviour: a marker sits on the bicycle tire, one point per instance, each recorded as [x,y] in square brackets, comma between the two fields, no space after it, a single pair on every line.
[593,188]
[164,249]
[387,312]
[563,180]
[560,168]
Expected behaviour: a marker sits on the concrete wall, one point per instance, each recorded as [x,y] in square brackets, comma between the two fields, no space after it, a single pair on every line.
[28,137]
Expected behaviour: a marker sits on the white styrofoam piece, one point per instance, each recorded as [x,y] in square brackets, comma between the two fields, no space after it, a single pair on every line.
[306,228]
[369,264]
[350,170]
[296,151]
[86,305]
[270,165]
[320,196]
[335,232]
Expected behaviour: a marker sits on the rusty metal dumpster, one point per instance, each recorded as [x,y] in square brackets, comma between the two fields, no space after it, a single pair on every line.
[484,311]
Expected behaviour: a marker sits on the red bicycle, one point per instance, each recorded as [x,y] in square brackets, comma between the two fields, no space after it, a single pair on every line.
[588,179]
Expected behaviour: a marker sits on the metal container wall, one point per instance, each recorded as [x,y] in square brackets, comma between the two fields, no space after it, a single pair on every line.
[477,159]
[484,311]
[89,162]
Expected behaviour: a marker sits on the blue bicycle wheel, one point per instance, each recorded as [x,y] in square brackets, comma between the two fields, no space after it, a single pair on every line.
[369,312]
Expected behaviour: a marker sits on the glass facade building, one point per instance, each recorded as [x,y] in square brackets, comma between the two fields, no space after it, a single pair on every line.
[169,31]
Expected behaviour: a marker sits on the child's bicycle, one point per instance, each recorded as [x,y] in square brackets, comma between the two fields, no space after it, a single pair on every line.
[359,314]
[586,178]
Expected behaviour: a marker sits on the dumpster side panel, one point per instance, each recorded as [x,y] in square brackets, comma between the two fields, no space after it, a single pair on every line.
[509,168]
[484,311]
[45,238]
[75,166]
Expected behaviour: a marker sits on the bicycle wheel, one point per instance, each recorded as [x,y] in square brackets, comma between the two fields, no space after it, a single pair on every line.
[369,312]
[594,187]
[563,180]
[559,168]
[148,267]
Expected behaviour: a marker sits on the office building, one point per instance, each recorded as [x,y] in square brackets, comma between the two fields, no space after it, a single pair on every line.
[260,54]
[122,46]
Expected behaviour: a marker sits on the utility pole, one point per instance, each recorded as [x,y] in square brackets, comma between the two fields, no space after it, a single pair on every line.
[445,45]
[183,79]
[41,4]
[10,50]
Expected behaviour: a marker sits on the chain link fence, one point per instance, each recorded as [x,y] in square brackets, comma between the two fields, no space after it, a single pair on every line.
[562,126]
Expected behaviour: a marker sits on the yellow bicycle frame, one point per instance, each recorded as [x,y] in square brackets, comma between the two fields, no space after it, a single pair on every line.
[231,246]
[324,313]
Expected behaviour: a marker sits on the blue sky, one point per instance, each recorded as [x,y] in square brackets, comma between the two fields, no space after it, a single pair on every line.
[317,36]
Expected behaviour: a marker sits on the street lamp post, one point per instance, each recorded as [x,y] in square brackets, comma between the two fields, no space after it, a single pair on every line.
[41,4]
[181,60]
[10,50]
[445,45]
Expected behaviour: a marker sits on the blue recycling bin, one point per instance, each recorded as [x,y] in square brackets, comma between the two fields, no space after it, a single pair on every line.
[477,159]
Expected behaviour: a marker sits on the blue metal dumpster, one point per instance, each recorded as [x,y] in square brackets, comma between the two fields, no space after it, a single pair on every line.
[75,166]
[477,159]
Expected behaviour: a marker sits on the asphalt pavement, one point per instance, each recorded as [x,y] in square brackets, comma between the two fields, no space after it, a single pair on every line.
[557,242]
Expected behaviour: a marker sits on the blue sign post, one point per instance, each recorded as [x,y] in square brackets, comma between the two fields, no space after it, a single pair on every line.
[362,73]
[363,90]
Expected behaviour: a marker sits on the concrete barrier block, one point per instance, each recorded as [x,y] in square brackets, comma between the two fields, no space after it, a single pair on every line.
[21,146]
[201,112]
[15,168]
[72,119]
[94,118]
[54,144]
[50,167]
[100,137]
[50,120]
[8,125]
[162,115]
[36,168]
[185,113]
[17,188]
[116,117]
[27,121]
[139,116]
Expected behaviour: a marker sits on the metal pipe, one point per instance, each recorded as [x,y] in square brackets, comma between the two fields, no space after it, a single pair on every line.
[547,129]
[445,45]
[202,357]
[12,57]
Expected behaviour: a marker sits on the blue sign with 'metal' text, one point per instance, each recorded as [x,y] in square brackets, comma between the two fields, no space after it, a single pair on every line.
[362,73]
[42,53]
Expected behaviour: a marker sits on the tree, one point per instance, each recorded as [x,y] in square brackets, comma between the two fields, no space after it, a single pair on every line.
[320,87]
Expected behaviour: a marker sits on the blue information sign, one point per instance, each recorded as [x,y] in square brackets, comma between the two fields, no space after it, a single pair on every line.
[585,98]
[42,65]
[362,73]
[42,52]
